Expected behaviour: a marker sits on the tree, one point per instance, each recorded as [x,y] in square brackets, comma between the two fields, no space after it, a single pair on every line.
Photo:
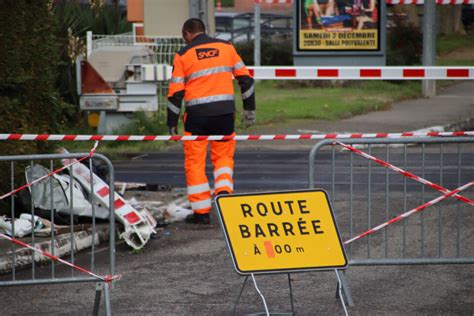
[29,102]
[450,20]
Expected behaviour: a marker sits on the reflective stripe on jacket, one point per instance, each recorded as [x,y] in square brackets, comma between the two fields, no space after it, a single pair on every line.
[202,76]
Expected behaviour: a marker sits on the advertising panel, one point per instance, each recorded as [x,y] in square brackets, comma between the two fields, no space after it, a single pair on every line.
[338,25]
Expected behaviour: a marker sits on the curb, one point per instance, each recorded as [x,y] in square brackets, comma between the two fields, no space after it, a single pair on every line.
[62,247]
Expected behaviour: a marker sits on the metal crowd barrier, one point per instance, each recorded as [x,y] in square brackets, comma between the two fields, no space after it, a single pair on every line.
[27,267]
[365,194]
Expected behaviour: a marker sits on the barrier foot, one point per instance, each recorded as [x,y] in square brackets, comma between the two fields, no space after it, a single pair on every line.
[98,293]
[99,288]
[240,294]
[343,287]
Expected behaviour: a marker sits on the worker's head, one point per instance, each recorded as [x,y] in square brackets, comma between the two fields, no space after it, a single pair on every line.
[192,28]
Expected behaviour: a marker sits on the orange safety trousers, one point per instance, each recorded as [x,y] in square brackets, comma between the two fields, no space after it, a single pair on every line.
[222,158]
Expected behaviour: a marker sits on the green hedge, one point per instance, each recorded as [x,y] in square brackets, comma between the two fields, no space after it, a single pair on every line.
[29,102]
[273,53]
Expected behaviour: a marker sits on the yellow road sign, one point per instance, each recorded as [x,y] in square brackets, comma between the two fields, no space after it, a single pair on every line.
[281,231]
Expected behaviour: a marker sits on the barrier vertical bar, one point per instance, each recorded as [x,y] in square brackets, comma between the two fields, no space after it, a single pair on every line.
[422,215]
[458,222]
[111,216]
[32,205]
[440,229]
[71,217]
[51,190]
[333,175]
[12,207]
[369,199]
[404,200]
[91,174]
[351,209]
[387,188]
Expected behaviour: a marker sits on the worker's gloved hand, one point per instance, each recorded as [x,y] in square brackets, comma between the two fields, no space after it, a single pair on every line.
[249,118]
[173,130]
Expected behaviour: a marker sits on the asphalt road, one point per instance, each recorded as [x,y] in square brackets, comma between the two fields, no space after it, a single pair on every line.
[257,170]
[187,270]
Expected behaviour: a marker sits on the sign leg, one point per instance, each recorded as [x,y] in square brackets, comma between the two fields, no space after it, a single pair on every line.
[261,295]
[291,295]
[240,294]
[339,288]
[342,282]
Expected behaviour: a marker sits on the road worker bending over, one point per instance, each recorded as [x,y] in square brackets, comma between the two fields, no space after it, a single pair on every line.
[202,75]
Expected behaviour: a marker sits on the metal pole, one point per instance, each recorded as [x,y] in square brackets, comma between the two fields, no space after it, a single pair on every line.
[429,44]
[257,34]
[194,8]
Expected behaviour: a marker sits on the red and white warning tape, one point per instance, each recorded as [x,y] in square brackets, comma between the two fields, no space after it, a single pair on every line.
[406,173]
[49,174]
[439,2]
[107,278]
[118,138]
[362,73]
[415,210]
[275,1]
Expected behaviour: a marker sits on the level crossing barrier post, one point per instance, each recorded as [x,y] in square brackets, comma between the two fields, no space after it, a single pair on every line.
[65,236]
[257,34]
[429,44]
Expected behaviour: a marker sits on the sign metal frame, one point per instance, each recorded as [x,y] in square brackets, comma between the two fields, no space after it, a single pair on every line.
[287,270]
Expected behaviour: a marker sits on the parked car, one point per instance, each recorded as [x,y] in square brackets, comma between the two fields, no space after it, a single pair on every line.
[239,27]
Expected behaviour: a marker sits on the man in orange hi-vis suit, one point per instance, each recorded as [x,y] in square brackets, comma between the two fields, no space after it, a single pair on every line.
[202,76]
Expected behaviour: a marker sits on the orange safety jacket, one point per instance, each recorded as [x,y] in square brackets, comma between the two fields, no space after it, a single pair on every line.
[202,75]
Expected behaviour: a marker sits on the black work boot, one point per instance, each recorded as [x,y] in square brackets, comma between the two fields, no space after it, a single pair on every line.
[198,219]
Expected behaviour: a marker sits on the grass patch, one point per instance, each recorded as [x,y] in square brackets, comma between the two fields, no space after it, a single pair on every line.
[455,50]
[276,104]
[447,44]
[454,62]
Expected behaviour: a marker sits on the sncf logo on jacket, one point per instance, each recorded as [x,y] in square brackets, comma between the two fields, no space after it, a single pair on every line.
[203,53]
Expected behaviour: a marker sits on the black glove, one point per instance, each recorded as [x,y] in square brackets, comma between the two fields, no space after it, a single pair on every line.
[249,117]
[173,130]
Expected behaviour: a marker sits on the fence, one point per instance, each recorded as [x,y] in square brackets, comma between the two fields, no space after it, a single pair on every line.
[163,47]
[365,194]
[65,236]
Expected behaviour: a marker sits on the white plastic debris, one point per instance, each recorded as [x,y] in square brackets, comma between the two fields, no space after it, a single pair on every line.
[37,222]
[137,227]
[22,227]
[175,213]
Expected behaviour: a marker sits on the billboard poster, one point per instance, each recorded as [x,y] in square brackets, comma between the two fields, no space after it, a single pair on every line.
[338,25]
